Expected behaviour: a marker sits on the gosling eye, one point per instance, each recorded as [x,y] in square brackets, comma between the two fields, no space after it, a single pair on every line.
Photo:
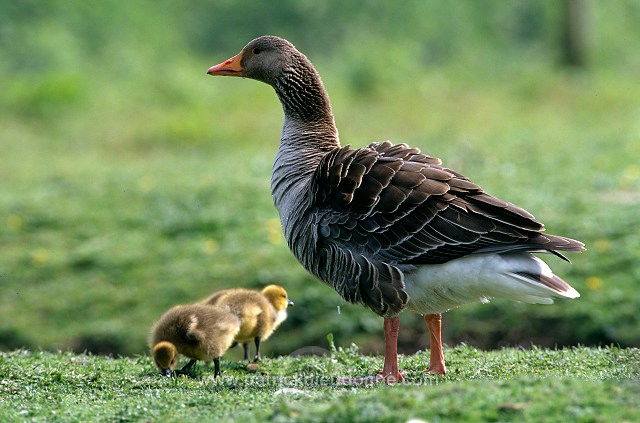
[256,50]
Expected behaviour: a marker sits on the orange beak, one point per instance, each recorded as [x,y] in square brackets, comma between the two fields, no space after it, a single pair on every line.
[230,67]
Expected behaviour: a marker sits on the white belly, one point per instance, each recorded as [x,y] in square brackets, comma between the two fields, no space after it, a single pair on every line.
[441,287]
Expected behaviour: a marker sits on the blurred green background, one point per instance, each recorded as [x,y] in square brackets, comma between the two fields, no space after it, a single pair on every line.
[131,181]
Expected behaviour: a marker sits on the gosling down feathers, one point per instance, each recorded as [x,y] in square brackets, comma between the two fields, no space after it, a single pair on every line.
[385,225]
[260,312]
[197,331]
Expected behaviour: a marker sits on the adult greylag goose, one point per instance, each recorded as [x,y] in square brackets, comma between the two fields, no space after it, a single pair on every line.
[387,226]
[260,312]
[198,331]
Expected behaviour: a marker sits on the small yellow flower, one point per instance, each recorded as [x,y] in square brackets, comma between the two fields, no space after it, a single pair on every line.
[630,176]
[274,232]
[146,183]
[633,170]
[39,257]
[594,283]
[210,246]
[14,222]
[602,245]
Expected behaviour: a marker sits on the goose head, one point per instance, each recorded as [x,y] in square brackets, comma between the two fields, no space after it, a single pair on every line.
[165,357]
[277,296]
[263,59]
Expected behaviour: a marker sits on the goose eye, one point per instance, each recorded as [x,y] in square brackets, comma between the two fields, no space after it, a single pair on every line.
[255,50]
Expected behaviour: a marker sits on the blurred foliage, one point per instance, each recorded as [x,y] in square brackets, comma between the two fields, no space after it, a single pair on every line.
[132,181]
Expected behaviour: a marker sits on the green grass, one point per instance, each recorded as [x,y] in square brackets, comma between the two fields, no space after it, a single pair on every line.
[578,384]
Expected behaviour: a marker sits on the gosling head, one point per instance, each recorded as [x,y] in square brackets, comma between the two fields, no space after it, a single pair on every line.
[277,296]
[165,357]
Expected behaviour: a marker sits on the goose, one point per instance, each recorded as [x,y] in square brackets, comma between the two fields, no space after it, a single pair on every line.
[385,225]
[198,331]
[260,313]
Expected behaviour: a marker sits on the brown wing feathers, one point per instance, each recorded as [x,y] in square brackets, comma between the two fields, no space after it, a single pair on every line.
[393,192]
[403,207]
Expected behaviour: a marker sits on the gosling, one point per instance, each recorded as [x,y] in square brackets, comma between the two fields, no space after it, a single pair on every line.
[260,313]
[197,331]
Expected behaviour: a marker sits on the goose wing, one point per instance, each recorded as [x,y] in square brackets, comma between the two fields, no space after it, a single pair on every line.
[389,205]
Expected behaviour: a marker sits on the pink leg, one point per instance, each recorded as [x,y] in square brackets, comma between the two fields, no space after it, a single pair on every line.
[390,370]
[436,362]
[390,373]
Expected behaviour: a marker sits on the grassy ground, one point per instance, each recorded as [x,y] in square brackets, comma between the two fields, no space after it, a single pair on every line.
[574,384]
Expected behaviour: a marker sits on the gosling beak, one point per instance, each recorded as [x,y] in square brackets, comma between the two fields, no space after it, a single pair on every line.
[230,67]
[165,372]
[289,302]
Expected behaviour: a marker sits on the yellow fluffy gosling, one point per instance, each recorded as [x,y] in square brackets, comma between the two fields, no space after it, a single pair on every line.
[198,331]
[260,312]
